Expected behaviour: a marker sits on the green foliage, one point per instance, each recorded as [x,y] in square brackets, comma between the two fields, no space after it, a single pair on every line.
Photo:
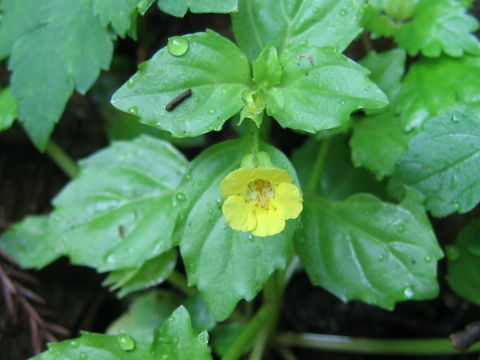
[464,263]
[369,250]
[442,163]
[8,109]
[260,23]
[180,7]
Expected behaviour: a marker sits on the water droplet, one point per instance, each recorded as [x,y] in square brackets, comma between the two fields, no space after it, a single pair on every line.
[131,82]
[111,259]
[408,292]
[126,342]
[210,211]
[316,10]
[368,88]
[400,228]
[133,110]
[453,253]
[381,257]
[143,66]
[250,237]
[74,343]
[211,111]
[197,99]
[177,45]
[180,197]
[203,337]
[219,201]
[428,259]
[455,118]
[188,177]
[83,356]
[343,12]
[456,206]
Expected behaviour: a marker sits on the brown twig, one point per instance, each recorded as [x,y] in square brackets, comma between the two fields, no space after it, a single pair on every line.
[462,340]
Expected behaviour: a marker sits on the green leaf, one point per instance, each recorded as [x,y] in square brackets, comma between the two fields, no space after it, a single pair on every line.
[180,7]
[55,32]
[96,346]
[8,109]
[119,212]
[439,26]
[259,23]
[202,318]
[386,70]
[320,89]
[213,68]
[267,70]
[443,162]
[225,335]
[146,313]
[176,339]
[151,273]
[144,5]
[464,264]
[368,250]
[456,81]
[340,179]
[30,243]
[378,142]
[118,13]
[226,265]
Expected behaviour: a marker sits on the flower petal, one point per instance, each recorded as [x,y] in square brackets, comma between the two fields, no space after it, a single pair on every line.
[287,201]
[273,175]
[236,181]
[268,222]
[239,214]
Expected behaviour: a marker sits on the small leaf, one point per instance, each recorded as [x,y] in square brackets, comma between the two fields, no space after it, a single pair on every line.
[119,212]
[176,339]
[8,109]
[180,7]
[226,265]
[456,81]
[31,244]
[283,23]
[443,162]
[365,249]
[439,26]
[213,68]
[464,265]
[320,89]
[118,13]
[378,142]
[146,313]
[96,346]
[267,70]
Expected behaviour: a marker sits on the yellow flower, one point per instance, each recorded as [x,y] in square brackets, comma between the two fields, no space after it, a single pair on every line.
[260,200]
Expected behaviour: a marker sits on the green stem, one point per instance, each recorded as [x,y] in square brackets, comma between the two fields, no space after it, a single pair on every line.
[246,337]
[371,346]
[62,159]
[318,165]
[180,282]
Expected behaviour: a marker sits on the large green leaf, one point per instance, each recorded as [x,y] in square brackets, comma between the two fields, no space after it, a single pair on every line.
[369,250]
[8,109]
[213,68]
[70,47]
[96,346]
[320,89]
[432,85]
[285,23]
[378,142]
[118,213]
[118,13]
[464,263]
[439,26]
[180,7]
[176,339]
[31,244]
[226,265]
[443,162]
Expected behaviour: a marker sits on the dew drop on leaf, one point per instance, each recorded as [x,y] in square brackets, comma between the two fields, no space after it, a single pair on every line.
[408,292]
[316,10]
[428,259]
[180,197]
[211,111]
[133,110]
[456,206]
[453,253]
[343,12]
[210,211]
[83,356]
[455,118]
[131,82]
[74,343]
[203,337]
[381,257]
[126,342]
[177,45]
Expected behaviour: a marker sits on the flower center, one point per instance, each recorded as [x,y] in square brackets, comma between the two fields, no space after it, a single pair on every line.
[260,192]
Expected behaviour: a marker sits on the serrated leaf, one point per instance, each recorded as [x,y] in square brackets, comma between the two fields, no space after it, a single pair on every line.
[439,26]
[119,212]
[456,82]
[176,339]
[443,162]
[320,89]
[30,243]
[213,68]
[284,23]
[340,179]
[151,273]
[180,7]
[146,313]
[464,264]
[8,109]
[368,250]
[378,142]
[144,5]
[57,33]
[386,70]
[95,346]
[226,265]
[117,13]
